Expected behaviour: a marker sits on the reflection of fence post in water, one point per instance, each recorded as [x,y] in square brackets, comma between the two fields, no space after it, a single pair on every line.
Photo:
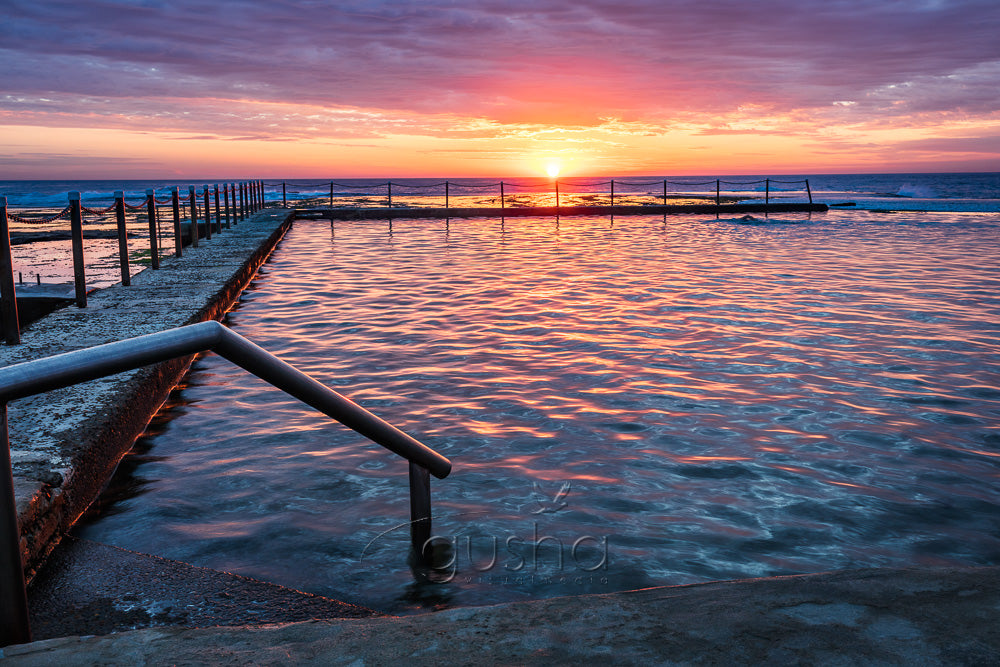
[8,298]
[175,201]
[194,216]
[154,245]
[122,236]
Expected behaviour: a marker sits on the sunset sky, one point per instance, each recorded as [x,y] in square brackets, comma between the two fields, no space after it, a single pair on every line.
[279,88]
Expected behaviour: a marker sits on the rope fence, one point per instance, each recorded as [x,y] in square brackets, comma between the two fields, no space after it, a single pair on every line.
[380,193]
[191,215]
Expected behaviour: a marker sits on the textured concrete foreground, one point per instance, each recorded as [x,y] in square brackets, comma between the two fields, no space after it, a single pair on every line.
[869,617]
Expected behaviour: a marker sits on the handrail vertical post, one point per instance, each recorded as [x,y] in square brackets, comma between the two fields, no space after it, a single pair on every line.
[154,245]
[390,194]
[420,510]
[15,627]
[236,210]
[76,232]
[218,214]
[446,195]
[225,196]
[809,191]
[284,197]
[8,297]
[208,215]
[767,192]
[122,236]
[501,195]
[612,194]
[263,199]
[664,192]
[195,232]
[244,206]
[718,200]
[557,194]
[175,200]
[331,194]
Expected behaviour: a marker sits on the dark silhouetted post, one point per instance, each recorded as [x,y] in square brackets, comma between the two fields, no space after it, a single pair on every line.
[76,232]
[218,214]
[420,510]
[390,194]
[331,194]
[501,195]
[122,236]
[178,237]
[664,192]
[195,232]
[225,196]
[446,195]
[154,241]
[612,193]
[557,194]
[208,215]
[809,191]
[244,207]
[8,297]
[718,199]
[14,625]
[284,197]
[767,191]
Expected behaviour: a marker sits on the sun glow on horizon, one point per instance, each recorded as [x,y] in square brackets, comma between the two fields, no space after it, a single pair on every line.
[552,168]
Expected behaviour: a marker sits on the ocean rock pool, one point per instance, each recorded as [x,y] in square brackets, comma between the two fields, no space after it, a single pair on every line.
[627,403]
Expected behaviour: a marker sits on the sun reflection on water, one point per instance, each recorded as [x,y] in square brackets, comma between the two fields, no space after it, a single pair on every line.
[724,401]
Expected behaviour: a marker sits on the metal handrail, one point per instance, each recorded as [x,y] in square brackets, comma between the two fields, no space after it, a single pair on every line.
[35,377]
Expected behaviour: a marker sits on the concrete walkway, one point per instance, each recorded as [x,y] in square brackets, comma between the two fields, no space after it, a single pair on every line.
[867,617]
[66,443]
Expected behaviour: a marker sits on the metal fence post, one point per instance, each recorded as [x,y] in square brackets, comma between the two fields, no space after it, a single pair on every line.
[14,625]
[664,192]
[8,297]
[717,190]
[809,191]
[420,510]
[501,195]
[76,232]
[208,216]
[122,237]
[612,193]
[154,240]
[178,237]
[767,191]
[284,198]
[390,194]
[195,232]
[446,197]
[218,215]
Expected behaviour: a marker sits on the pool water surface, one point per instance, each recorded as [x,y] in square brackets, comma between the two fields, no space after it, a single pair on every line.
[630,402]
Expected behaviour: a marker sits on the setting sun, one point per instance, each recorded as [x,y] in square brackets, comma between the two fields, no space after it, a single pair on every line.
[552,169]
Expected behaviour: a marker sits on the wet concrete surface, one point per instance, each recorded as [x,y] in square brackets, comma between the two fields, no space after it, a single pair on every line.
[862,617]
[87,588]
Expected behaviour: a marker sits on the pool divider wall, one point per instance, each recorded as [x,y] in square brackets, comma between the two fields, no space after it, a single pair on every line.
[60,469]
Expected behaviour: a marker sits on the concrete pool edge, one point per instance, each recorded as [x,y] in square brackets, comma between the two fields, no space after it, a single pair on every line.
[65,444]
[872,616]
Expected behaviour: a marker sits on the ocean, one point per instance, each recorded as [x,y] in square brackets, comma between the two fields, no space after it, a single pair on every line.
[628,402]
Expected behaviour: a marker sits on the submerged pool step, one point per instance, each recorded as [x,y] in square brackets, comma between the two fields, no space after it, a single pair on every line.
[88,588]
